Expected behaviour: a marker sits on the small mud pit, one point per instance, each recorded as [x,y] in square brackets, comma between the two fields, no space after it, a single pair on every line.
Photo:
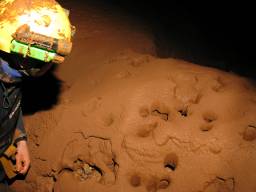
[135,180]
[171,161]
[164,183]
[249,133]
[83,171]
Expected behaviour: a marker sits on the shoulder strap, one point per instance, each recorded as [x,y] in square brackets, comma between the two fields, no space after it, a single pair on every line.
[7,104]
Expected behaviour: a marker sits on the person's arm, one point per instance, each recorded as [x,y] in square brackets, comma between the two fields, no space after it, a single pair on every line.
[20,139]
[22,157]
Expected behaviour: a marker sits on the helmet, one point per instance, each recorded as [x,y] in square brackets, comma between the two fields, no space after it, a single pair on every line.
[37,29]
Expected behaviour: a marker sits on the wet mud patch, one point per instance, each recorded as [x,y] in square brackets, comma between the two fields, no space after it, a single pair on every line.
[91,158]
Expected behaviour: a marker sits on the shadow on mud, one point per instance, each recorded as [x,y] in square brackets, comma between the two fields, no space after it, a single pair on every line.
[41,93]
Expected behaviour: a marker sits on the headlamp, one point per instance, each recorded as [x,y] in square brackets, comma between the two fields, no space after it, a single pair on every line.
[38,46]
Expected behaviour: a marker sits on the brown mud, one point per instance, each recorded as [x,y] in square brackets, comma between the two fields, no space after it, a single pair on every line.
[129,121]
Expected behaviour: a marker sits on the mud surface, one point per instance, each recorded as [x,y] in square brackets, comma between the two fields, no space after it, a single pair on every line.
[128,121]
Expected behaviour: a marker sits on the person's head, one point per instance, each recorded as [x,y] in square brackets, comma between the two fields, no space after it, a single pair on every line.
[34,34]
[27,66]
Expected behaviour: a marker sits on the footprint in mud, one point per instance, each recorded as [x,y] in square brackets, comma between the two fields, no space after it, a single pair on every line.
[214,146]
[95,82]
[109,120]
[156,116]
[220,184]
[157,181]
[164,183]
[160,110]
[91,106]
[131,58]
[187,94]
[144,111]
[249,133]
[157,109]
[65,87]
[209,119]
[152,183]
[164,116]
[138,61]
[91,158]
[123,75]
[183,111]
[171,161]
[206,127]
[198,98]
[146,130]
[83,171]
[218,84]
[135,180]
[122,57]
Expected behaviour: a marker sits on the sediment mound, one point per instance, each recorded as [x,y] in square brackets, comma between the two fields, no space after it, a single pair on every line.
[149,124]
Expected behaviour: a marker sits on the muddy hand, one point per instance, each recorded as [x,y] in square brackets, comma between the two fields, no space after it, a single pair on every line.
[22,157]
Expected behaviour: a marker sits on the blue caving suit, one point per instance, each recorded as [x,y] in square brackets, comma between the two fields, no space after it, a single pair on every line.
[11,123]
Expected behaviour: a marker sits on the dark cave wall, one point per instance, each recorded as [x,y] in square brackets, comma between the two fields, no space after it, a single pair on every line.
[213,33]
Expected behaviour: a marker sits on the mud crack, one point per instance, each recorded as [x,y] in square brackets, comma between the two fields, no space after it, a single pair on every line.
[163,116]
